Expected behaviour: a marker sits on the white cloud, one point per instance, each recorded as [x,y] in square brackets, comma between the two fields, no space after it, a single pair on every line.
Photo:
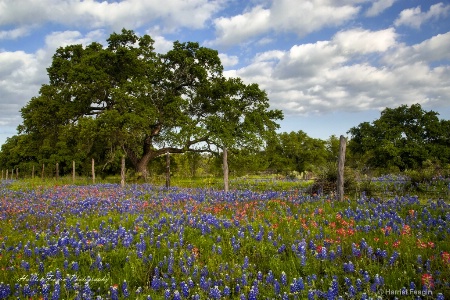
[228,60]
[333,75]
[242,27]
[69,37]
[414,17]
[14,33]
[93,14]
[378,7]
[20,78]
[365,41]
[300,17]
[22,74]
[161,44]
[432,50]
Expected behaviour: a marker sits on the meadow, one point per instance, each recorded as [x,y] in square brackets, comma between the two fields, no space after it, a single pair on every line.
[147,242]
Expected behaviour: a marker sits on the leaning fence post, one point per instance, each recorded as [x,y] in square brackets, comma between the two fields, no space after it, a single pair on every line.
[341,163]
[93,171]
[73,171]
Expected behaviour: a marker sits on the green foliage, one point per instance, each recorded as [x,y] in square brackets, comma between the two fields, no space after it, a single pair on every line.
[403,137]
[103,102]
[295,151]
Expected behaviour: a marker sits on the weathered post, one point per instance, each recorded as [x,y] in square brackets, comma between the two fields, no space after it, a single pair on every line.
[341,163]
[43,169]
[225,169]
[17,173]
[2,174]
[6,174]
[122,172]
[167,169]
[73,172]
[93,171]
[57,171]
[32,173]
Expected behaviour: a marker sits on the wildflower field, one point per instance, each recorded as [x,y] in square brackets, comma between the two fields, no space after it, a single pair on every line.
[147,242]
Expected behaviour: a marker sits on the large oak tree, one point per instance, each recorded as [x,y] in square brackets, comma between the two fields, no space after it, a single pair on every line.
[127,98]
[403,138]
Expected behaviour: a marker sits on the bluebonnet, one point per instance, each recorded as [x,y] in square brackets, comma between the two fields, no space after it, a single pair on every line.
[283,278]
[167,294]
[184,289]
[214,293]
[114,293]
[5,290]
[276,286]
[393,258]
[56,291]
[349,267]
[125,292]
[176,295]
[226,291]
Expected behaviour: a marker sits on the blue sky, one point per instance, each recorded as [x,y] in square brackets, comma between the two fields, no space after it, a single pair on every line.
[328,64]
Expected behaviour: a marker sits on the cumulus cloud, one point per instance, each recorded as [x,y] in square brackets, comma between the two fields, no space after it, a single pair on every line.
[22,74]
[19,81]
[228,60]
[364,41]
[300,17]
[14,33]
[432,50]
[378,7]
[94,14]
[414,17]
[336,74]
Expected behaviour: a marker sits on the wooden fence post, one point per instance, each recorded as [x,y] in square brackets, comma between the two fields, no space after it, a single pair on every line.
[167,169]
[225,169]
[57,171]
[2,174]
[122,172]
[17,173]
[341,163]
[6,174]
[32,173]
[43,169]
[73,172]
[93,171]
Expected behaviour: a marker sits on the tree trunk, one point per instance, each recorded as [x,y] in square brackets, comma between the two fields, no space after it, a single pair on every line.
[225,169]
[57,171]
[142,167]
[341,163]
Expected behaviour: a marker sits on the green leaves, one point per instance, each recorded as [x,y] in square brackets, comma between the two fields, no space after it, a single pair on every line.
[403,137]
[126,97]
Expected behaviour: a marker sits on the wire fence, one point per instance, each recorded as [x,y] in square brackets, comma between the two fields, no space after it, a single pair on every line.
[429,183]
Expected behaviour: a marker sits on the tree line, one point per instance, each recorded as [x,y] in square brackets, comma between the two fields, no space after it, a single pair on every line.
[126,100]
